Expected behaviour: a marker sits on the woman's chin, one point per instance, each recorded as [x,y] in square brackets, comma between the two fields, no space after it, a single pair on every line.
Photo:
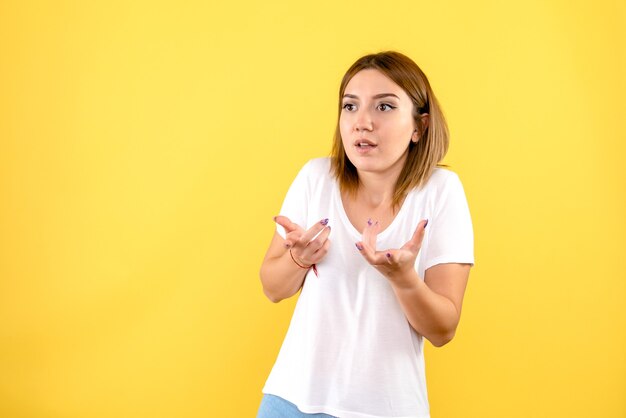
[371,165]
[368,168]
[362,164]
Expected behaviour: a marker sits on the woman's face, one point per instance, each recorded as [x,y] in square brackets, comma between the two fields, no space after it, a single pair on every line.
[376,123]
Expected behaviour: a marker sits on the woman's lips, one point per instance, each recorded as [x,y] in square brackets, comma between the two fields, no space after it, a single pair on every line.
[364,148]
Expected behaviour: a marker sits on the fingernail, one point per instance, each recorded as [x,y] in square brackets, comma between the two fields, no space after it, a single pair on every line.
[388,255]
[286,245]
[426,224]
[358,247]
[376,223]
[274,218]
[369,221]
[324,221]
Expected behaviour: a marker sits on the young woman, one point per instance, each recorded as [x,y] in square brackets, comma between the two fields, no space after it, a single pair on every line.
[392,272]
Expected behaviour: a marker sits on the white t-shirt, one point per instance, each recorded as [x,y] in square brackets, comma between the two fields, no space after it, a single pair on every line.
[349,350]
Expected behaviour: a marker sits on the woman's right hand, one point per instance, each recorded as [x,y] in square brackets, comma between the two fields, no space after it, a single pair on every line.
[307,247]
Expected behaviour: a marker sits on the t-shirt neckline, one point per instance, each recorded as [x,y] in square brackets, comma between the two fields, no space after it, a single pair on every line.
[352,229]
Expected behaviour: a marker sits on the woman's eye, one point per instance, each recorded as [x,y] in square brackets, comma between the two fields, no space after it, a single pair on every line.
[349,107]
[385,107]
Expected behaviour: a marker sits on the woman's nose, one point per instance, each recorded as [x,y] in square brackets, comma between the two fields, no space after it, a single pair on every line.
[363,121]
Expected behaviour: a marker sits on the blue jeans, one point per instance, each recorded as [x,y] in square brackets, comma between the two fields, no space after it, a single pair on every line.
[273,406]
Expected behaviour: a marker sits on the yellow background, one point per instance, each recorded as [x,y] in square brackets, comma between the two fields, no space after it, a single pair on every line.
[145,147]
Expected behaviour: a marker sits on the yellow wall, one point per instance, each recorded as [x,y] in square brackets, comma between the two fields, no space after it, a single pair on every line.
[144,149]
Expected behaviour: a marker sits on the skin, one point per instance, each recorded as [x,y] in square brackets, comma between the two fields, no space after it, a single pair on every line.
[433,305]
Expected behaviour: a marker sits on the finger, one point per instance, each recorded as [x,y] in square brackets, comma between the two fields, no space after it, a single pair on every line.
[286,223]
[311,256]
[415,243]
[319,254]
[394,257]
[365,252]
[370,232]
[319,241]
[292,238]
[367,246]
[314,230]
[372,256]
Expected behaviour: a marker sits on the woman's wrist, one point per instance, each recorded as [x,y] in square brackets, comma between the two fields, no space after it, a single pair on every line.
[300,264]
[407,279]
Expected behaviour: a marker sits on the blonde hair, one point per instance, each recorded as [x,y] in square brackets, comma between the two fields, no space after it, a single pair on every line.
[432,145]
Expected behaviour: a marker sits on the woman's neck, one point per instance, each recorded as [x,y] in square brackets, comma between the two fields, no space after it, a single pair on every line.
[376,189]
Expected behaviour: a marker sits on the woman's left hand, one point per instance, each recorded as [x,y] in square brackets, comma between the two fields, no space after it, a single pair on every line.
[394,264]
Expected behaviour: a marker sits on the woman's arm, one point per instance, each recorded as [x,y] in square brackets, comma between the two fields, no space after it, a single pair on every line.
[280,276]
[433,306]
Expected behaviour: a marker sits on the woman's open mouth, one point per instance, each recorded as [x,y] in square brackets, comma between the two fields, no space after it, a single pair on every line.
[364,147]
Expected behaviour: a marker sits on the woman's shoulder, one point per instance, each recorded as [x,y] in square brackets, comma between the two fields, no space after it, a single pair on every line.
[442,183]
[316,168]
[441,178]
[315,173]
[321,164]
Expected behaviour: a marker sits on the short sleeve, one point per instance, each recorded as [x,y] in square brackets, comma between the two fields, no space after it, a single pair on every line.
[451,235]
[296,200]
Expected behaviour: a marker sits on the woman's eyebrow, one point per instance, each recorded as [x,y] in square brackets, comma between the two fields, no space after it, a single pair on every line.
[376,96]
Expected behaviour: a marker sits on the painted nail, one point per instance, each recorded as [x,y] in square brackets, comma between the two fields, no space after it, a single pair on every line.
[286,245]
[369,221]
[358,247]
[426,224]
[388,255]
[324,221]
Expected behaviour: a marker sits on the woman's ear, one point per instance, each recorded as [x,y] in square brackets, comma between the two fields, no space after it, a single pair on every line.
[416,133]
